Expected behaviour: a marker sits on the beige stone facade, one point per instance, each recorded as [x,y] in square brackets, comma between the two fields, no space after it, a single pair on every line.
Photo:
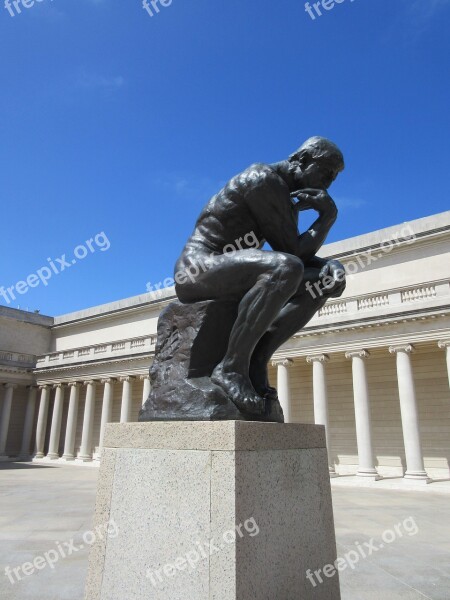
[373,366]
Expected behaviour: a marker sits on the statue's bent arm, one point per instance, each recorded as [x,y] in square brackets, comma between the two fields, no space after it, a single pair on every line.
[271,206]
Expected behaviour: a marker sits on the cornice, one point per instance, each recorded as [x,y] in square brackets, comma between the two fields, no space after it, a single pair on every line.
[375,321]
[85,366]
[111,314]
[424,237]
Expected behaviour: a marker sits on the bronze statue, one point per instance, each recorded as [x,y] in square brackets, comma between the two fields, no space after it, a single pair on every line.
[238,302]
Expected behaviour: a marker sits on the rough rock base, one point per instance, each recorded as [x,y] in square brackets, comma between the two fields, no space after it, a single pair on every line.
[184,361]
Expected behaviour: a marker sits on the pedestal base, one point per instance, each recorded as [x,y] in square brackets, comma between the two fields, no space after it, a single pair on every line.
[228,510]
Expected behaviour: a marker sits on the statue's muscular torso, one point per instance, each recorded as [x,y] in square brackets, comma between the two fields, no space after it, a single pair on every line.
[233,213]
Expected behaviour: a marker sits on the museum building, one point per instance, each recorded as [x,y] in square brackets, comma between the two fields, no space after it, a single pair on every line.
[372,366]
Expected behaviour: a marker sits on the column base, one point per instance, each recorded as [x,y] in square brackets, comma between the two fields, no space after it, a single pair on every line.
[68,457]
[52,456]
[4,458]
[228,510]
[420,476]
[38,456]
[369,474]
[83,458]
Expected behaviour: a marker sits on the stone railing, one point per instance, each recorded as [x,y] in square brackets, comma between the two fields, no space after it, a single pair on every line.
[112,350]
[395,299]
[373,302]
[419,293]
[16,358]
[333,308]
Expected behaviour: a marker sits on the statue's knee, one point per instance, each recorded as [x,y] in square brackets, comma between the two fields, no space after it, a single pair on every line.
[291,266]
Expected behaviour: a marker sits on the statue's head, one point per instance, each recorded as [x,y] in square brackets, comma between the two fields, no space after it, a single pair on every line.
[318,162]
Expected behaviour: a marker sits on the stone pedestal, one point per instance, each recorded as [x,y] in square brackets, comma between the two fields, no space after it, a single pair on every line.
[228,510]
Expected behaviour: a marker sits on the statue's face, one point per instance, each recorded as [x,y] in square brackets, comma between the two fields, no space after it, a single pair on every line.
[317,173]
[320,173]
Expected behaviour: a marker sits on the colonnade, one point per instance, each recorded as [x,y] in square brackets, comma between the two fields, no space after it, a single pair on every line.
[86,450]
[408,406]
[70,390]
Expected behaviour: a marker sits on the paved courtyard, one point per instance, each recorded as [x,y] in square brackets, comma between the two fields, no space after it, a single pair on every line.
[404,536]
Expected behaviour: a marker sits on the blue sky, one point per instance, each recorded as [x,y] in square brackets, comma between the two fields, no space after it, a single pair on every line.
[117,122]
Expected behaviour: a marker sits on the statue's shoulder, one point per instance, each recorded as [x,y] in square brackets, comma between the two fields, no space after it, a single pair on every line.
[260,174]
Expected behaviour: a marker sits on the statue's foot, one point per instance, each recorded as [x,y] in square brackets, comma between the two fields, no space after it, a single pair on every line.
[240,391]
[267,392]
[260,381]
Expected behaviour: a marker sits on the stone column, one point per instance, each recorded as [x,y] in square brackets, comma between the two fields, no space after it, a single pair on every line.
[5,417]
[147,388]
[106,407]
[362,415]
[283,386]
[127,397]
[55,430]
[320,392]
[445,344]
[72,418]
[41,426]
[28,424]
[85,454]
[415,468]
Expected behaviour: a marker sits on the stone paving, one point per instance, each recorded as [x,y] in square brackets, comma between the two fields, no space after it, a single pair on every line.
[404,536]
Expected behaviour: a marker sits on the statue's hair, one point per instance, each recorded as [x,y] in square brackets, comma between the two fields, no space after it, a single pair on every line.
[320,147]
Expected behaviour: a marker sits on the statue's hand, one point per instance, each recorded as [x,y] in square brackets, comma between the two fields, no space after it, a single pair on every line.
[333,280]
[318,200]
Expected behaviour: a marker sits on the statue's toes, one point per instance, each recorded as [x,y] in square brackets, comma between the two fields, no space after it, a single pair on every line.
[254,405]
[271,394]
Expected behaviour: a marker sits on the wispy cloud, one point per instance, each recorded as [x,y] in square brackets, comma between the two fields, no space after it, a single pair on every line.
[188,185]
[425,9]
[421,13]
[350,203]
[414,18]
[92,81]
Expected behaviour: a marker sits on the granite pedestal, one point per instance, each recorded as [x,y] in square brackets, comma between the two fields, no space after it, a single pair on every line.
[229,510]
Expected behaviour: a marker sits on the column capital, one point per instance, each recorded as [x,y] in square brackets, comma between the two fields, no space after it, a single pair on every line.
[323,358]
[444,344]
[127,378]
[283,362]
[45,386]
[32,387]
[74,383]
[358,354]
[90,382]
[144,377]
[110,380]
[10,386]
[407,348]
[58,385]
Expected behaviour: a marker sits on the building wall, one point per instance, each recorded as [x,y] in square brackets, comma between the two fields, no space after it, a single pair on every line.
[117,321]
[22,332]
